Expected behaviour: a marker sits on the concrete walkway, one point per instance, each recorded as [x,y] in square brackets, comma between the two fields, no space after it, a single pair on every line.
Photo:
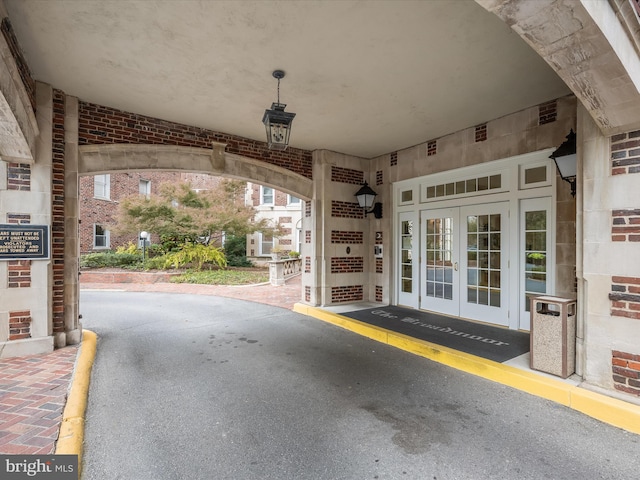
[34,389]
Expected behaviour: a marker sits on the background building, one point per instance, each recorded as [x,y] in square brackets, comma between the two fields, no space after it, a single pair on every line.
[100,196]
[282,209]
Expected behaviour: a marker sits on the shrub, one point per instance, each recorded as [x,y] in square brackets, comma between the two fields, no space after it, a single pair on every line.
[196,255]
[109,259]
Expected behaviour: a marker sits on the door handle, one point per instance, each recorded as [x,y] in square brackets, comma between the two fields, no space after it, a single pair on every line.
[455,266]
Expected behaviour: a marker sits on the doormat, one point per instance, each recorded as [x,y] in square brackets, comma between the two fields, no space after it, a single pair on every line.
[493,343]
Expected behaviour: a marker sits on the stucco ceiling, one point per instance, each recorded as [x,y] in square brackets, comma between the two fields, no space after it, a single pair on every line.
[364,77]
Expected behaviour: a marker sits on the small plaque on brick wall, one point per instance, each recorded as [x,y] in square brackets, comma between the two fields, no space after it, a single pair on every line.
[24,242]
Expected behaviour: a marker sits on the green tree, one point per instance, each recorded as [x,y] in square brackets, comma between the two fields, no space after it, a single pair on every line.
[180,215]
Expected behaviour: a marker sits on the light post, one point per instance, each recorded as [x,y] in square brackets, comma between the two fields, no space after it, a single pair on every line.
[143,237]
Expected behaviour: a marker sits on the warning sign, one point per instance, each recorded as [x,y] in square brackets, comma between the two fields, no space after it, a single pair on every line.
[24,242]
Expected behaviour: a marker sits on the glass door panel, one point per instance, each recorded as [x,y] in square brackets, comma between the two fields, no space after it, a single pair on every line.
[484,265]
[535,252]
[439,248]
[408,260]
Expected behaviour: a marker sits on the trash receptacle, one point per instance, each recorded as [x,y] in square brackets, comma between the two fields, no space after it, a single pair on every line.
[553,335]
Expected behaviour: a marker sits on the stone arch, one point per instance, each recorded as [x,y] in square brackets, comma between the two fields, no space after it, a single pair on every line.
[96,159]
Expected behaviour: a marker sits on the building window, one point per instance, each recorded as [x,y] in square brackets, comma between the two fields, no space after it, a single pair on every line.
[145,188]
[291,200]
[102,186]
[266,195]
[100,237]
[266,243]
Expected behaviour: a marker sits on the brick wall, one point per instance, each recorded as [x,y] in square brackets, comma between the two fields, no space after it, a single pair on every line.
[104,125]
[481,133]
[19,176]
[340,236]
[19,273]
[19,325]
[347,175]
[626,372]
[625,225]
[547,112]
[393,159]
[625,153]
[625,297]
[57,212]
[347,264]
[307,294]
[379,293]
[346,294]
[432,148]
[307,264]
[346,209]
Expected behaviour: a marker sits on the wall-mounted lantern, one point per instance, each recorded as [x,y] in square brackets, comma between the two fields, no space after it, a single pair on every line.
[566,160]
[277,122]
[366,197]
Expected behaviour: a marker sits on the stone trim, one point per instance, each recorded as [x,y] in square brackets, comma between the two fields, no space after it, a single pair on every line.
[626,372]
[21,63]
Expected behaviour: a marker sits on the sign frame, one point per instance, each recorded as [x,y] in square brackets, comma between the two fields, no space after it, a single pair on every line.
[24,242]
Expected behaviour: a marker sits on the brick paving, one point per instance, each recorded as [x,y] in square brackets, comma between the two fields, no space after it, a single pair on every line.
[33,392]
[33,389]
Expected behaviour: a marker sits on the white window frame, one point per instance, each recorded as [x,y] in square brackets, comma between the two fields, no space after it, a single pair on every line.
[144,187]
[263,243]
[102,186]
[293,201]
[264,194]
[106,235]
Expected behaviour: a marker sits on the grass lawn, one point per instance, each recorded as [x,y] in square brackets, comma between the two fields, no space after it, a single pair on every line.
[239,276]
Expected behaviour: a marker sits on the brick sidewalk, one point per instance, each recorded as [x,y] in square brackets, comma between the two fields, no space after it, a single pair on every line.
[33,389]
[33,392]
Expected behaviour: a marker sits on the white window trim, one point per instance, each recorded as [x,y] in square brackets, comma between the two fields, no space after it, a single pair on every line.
[273,196]
[105,194]
[261,242]
[107,238]
[147,193]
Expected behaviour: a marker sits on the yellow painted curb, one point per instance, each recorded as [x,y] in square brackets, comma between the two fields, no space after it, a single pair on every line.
[606,409]
[71,435]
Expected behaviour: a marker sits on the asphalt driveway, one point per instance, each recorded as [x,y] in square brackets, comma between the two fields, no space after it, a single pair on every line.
[204,387]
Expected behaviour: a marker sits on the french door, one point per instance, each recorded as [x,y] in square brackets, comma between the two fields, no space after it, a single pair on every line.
[464,262]
[440,261]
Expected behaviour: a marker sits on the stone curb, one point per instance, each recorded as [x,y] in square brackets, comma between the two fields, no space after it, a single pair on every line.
[71,438]
[601,407]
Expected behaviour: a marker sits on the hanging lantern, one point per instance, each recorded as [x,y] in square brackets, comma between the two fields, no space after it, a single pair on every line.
[277,122]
